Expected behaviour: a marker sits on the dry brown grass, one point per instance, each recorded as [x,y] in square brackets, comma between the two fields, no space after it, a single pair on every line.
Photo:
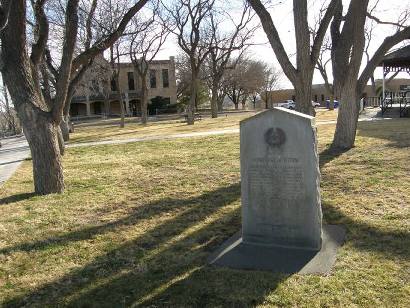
[137,222]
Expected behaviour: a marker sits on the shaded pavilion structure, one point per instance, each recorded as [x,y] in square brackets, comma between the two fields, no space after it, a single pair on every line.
[395,62]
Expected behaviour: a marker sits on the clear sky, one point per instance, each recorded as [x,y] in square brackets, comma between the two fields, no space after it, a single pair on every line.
[282,15]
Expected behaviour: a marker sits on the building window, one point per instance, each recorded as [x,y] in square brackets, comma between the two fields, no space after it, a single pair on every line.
[131,84]
[165,78]
[323,98]
[315,97]
[152,79]
[293,97]
[113,85]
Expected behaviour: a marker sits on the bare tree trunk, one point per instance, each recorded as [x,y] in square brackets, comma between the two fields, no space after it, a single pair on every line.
[144,100]
[60,139]
[11,122]
[373,85]
[122,122]
[235,101]
[347,118]
[65,122]
[192,101]
[65,128]
[303,95]
[220,102]
[214,100]
[122,111]
[331,101]
[106,106]
[42,136]
[243,102]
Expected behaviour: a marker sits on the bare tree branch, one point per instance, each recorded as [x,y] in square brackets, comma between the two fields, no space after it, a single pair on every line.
[376,19]
[41,30]
[99,47]
[4,14]
[70,39]
[387,44]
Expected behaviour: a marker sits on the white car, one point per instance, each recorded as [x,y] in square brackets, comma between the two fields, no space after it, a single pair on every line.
[289,104]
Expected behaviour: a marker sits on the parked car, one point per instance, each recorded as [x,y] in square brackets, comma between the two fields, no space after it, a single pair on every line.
[315,104]
[335,104]
[289,104]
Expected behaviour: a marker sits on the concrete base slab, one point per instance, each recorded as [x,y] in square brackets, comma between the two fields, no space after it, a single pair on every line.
[234,253]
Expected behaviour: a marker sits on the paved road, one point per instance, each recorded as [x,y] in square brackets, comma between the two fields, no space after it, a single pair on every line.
[12,153]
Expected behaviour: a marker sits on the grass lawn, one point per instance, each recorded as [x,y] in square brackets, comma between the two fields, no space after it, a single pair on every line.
[138,221]
[109,129]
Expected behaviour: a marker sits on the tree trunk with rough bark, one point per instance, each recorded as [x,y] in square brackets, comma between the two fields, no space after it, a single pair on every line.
[243,103]
[303,96]
[65,128]
[346,126]
[42,136]
[192,100]
[331,101]
[235,101]
[40,127]
[214,100]
[60,139]
[122,109]
[106,106]
[144,100]
[122,122]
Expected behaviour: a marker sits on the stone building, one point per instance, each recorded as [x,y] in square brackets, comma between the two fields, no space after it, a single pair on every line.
[162,92]
[320,94]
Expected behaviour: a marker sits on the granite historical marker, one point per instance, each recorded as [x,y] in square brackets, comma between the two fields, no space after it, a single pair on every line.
[281,212]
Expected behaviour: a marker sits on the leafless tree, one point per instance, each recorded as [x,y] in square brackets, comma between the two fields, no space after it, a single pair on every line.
[9,122]
[234,82]
[307,51]
[348,45]
[271,82]
[183,74]
[224,43]
[145,44]
[97,80]
[189,19]
[245,79]
[41,111]
[322,65]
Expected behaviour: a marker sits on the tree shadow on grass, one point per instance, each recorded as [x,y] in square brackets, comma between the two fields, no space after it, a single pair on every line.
[390,242]
[329,154]
[220,196]
[16,198]
[387,240]
[152,266]
[396,131]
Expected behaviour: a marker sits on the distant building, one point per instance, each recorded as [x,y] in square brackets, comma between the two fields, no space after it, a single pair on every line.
[162,90]
[320,94]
